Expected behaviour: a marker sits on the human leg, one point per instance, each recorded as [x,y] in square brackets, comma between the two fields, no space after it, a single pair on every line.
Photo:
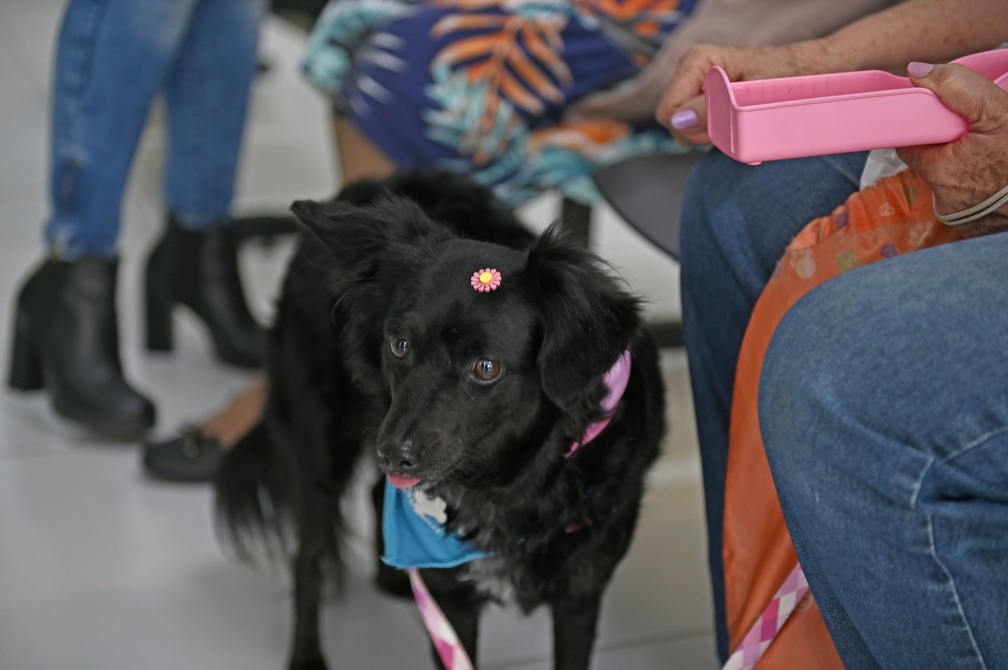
[195,264]
[195,454]
[882,412]
[111,58]
[358,158]
[207,91]
[737,220]
[65,341]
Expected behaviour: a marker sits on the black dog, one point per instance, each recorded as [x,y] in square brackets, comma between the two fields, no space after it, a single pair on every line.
[421,323]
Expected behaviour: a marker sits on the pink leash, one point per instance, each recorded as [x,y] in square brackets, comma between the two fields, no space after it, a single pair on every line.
[441,633]
[763,632]
[748,654]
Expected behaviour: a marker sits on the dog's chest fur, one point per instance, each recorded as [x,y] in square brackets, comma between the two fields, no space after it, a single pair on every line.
[491,578]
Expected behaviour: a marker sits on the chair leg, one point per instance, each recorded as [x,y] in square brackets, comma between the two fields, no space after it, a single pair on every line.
[264,228]
[575,221]
[668,333]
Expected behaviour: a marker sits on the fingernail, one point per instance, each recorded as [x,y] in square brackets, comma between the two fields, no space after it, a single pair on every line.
[918,70]
[684,119]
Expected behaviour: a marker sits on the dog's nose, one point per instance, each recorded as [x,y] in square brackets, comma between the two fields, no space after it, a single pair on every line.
[401,457]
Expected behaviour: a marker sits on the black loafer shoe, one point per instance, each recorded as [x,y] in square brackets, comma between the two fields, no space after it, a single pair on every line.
[190,457]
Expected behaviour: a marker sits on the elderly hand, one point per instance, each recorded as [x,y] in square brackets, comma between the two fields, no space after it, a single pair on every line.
[682,108]
[974,167]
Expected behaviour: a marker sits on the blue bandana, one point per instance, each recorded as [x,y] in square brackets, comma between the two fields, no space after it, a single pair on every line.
[415,535]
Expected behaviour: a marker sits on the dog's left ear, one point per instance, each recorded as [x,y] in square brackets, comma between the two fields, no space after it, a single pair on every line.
[588,319]
[323,219]
[350,228]
[357,236]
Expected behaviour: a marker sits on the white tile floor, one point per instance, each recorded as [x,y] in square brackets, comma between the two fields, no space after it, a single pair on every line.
[100,568]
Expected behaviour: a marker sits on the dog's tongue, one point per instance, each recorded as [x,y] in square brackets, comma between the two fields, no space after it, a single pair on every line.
[402,481]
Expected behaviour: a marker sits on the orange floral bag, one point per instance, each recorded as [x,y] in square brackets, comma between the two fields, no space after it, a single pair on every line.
[891,218]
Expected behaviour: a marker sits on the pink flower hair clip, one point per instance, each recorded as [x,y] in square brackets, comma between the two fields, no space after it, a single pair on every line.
[485,280]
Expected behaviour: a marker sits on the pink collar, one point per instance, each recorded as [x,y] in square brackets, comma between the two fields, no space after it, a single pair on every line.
[616,381]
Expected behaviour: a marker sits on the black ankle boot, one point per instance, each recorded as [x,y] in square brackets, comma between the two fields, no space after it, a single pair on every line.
[66,341]
[200,271]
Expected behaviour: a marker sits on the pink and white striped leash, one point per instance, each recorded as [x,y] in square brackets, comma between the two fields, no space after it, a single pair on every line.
[748,654]
[763,632]
[441,633]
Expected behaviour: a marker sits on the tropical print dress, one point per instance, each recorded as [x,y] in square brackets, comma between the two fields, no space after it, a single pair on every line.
[481,86]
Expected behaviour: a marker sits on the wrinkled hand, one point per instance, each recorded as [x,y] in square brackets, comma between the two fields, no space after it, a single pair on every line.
[682,109]
[974,167]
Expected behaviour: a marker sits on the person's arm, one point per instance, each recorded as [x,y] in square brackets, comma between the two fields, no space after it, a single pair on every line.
[921,30]
[749,23]
[933,31]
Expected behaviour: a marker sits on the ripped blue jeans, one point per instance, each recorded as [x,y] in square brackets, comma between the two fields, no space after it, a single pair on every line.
[114,57]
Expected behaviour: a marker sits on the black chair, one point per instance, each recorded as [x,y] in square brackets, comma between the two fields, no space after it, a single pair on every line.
[647,192]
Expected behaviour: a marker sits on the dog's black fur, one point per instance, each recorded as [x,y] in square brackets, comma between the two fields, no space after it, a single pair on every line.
[390,261]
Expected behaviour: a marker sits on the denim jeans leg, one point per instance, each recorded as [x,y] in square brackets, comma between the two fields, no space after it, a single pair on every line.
[883,410]
[736,221]
[111,60]
[207,93]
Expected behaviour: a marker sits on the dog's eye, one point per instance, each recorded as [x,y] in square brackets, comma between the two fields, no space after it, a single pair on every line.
[399,346]
[486,370]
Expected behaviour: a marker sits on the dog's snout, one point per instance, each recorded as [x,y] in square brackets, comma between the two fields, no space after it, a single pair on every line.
[402,456]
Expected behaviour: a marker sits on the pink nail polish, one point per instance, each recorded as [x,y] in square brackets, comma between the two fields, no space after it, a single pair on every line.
[684,119]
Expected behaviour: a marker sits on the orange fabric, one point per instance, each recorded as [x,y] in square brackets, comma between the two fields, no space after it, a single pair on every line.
[894,217]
